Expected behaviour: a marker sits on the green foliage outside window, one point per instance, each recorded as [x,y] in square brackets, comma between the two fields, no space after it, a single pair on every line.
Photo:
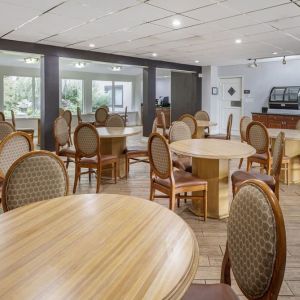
[71,94]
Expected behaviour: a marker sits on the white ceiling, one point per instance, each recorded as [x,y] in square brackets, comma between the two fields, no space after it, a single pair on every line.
[208,29]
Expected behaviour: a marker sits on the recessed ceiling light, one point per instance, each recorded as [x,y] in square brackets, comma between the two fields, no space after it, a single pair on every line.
[197,61]
[31,60]
[238,41]
[80,65]
[154,54]
[116,68]
[92,45]
[274,53]
[176,23]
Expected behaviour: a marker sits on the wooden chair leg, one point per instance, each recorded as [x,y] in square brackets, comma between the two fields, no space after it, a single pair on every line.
[67,163]
[98,179]
[178,201]
[249,164]
[185,199]
[152,191]
[205,205]
[172,201]
[241,162]
[127,166]
[115,171]
[90,175]
[77,172]
[287,174]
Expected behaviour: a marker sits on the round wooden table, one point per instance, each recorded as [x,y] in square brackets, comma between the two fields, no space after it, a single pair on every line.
[201,125]
[113,141]
[95,247]
[211,162]
[292,150]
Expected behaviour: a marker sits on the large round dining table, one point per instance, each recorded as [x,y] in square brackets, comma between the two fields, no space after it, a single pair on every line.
[201,126]
[210,158]
[95,247]
[292,150]
[113,141]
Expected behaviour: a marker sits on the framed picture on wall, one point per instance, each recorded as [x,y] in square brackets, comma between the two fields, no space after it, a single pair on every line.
[214,90]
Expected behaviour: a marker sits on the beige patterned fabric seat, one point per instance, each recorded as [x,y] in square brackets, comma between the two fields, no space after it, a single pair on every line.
[180,131]
[5,129]
[62,140]
[255,250]
[101,116]
[115,120]
[36,176]
[191,122]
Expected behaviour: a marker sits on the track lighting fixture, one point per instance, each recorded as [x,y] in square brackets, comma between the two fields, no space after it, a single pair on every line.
[284,61]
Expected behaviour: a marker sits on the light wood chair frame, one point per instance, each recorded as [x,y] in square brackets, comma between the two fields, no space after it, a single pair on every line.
[101,123]
[280,260]
[92,166]
[2,117]
[172,193]
[29,131]
[266,163]
[20,160]
[115,116]
[79,118]
[67,115]
[243,136]
[206,119]
[193,120]
[164,125]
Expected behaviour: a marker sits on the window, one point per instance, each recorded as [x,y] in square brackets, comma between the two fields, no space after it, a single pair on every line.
[22,95]
[101,94]
[72,94]
[116,95]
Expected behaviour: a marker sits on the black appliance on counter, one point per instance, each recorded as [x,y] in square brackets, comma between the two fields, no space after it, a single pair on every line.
[285,97]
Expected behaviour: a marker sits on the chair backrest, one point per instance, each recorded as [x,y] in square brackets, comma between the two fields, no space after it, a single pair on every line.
[256,242]
[86,140]
[61,132]
[258,137]
[202,115]
[229,126]
[2,116]
[105,107]
[179,131]
[101,115]
[278,150]
[115,120]
[191,122]
[67,115]
[159,156]
[154,125]
[35,176]
[164,124]
[13,118]
[5,129]
[13,147]
[61,111]
[245,121]
[79,118]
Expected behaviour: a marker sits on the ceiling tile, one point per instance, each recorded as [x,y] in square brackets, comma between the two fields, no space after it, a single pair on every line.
[254,29]
[39,5]
[168,22]
[235,22]
[286,23]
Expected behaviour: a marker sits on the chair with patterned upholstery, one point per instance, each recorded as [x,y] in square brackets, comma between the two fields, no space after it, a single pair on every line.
[61,111]
[138,153]
[88,156]
[202,115]
[168,181]
[5,129]
[101,116]
[115,120]
[180,131]
[255,250]
[258,137]
[67,115]
[62,140]
[190,121]
[245,121]
[227,136]
[29,131]
[105,107]
[272,180]
[2,116]
[35,176]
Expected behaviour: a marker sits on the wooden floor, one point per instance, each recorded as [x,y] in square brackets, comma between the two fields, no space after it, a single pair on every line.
[212,234]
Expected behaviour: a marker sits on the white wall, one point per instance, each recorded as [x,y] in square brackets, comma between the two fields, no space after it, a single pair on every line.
[163,87]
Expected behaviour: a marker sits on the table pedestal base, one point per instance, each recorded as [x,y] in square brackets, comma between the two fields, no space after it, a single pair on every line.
[216,173]
[115,146]
[200,133]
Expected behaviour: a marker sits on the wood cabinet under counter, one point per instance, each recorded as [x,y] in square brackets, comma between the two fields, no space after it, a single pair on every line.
[277,120]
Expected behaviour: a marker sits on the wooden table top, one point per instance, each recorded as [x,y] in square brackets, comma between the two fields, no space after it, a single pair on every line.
[290,134]
[212,148]
[206,123]
[116,132]
[95,246]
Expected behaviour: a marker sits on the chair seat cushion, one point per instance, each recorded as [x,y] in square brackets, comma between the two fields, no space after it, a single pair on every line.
[183,163]
[259,156]
[210,291]
[182,179]
[239,177]
[217,137]
[68,151]
[94,159]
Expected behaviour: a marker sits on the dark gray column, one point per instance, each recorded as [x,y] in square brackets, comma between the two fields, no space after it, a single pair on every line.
[186,90]
[149,88]
[49,99]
